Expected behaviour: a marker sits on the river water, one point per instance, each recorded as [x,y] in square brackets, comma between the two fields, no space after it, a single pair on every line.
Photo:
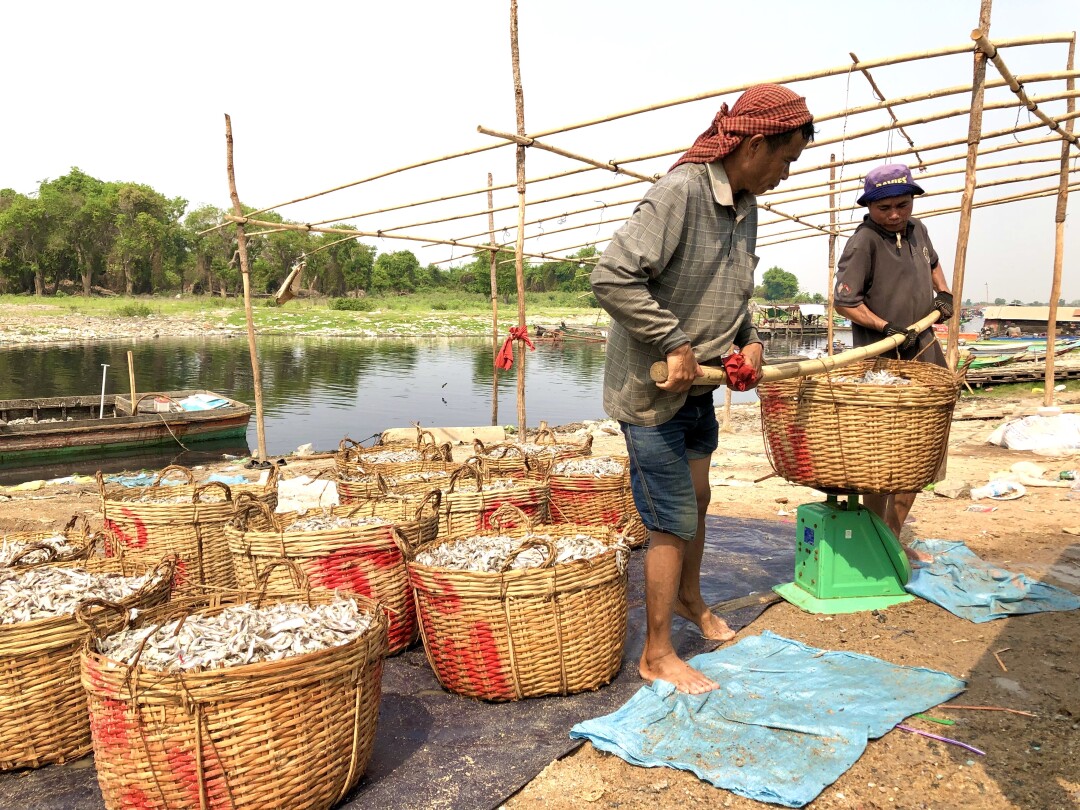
[319,390]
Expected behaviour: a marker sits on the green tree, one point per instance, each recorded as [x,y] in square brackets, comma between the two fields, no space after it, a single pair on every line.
[397,271]
[779,285]
[999,302]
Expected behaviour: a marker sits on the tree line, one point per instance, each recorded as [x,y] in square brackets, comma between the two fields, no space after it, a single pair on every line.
[81,235]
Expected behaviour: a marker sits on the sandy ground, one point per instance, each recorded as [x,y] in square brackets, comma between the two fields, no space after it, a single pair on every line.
[1029,762]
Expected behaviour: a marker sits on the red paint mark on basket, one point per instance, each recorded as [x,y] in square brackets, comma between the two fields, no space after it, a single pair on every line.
[180,577]
[140,537]
[110,728]
[182,766]
[134,798]
[484,643]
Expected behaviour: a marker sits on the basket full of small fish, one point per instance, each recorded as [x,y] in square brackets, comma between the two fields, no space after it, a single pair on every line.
[357,486]
[391,459]
[239,700]
[340,548]
[595,489]
[179,517]
[874,426]
[70,544]
[524,459]
[43,718]
[470,499]
[523,612]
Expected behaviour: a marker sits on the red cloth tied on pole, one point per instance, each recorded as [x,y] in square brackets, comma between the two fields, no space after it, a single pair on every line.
[505,358]
[765,109]
[741,375]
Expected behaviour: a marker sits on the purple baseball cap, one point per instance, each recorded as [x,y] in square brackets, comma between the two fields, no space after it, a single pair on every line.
[891,180]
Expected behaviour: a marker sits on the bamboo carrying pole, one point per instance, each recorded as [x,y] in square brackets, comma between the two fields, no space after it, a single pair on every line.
[831,308]
[131,380]
[519,264]
[494,305]
[715,375]
[1059,245]
[245,270]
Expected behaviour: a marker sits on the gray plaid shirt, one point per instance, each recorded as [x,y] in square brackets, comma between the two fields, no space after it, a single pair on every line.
[681,269]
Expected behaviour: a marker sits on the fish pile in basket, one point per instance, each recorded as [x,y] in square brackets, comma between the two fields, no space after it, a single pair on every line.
[595,489]
[526,611]
[521,459]
[71,544]
[44,717]
[470,499]
[242,700]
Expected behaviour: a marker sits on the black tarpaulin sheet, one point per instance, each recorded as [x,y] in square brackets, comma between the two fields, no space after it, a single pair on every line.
[434,749]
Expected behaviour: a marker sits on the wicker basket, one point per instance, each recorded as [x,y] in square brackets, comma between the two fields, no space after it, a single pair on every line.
[366,560]
[294,733]
[43,718]
[469,511]
[77,534]
[523,633]
[851,437]
[358,460]
[193,529]
[416,517]
[359,488]
[512,460]
[606,501]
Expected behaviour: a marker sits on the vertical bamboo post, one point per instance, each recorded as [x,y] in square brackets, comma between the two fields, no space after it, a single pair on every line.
[978,82]
[831,308]
[519,250]
[245,271]
[131,379]
[493,256]
[1059,240]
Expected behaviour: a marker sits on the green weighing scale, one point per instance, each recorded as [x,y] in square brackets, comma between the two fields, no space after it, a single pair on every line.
[846,560]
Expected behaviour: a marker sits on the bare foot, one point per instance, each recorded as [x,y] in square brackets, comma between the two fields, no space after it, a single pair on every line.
[712,626]
[917,556]
[675,671]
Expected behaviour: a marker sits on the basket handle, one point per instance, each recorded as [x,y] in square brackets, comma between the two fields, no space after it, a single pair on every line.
[189,476]
[88,618]
[347,444]
[402,544]
[434,495]
[586,446]
[507,510]
[546,435]
[531,542]
[30,548]
[242,512]
[272,477]
[466,469]
[299,578]
[77,521]
[424,437]
[199,490]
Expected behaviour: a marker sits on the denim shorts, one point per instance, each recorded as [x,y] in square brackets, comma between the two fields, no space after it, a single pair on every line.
[660,465]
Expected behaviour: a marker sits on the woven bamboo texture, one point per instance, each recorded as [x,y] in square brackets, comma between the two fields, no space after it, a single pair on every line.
[192,529]
[359,460]
[604,501]
[295,733]
[848,437]
[77,534]
[364,560]
[43,716]
[435,475]
[524,633]
[416,517]
[511,460]
[468,511]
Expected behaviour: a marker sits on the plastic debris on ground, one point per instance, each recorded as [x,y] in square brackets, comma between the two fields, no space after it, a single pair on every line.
[1000,489]
[304,492]
[787,720]
[1040,432]
[202,402]
[971,588]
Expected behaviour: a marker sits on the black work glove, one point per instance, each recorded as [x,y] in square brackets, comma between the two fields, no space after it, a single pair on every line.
[911,337]
[943,302]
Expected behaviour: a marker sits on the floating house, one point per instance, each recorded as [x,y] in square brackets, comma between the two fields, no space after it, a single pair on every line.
[1031,320]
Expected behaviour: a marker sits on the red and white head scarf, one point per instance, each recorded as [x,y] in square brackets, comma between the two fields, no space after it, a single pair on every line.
[764,109]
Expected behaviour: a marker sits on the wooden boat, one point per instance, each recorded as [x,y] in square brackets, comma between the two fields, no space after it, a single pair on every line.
[587,334]
[990,361]
[941,330]
[66,427]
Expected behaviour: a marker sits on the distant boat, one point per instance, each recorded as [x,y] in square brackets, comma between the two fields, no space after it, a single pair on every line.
[586,334]
[56,428]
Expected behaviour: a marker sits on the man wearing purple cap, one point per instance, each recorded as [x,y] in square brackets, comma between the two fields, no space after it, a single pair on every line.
[888,278]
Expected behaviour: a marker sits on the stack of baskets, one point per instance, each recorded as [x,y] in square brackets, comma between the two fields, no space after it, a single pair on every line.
[44,716]
[364,559]
[469,500]
[507,635]
[360,488]
[576,495]
[188,520]
[35,548]
[518,460]
[840,436]
[390,459]
[296,732]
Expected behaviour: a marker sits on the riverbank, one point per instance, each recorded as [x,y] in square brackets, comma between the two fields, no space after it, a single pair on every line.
[1029,762]
[30,321]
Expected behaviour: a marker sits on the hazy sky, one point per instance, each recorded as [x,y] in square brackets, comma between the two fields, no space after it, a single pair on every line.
[322,93]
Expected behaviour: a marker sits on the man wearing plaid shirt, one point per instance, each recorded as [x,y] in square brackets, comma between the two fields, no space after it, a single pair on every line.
[676,280]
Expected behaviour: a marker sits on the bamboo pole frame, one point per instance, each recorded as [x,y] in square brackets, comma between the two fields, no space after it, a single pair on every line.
[889,108]
[494,304]
[245,270]
[1059,242]
[538,144]
[519,252]
[831,308]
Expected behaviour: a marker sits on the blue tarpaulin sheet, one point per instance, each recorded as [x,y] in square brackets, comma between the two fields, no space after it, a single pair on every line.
[786,722]
[146,479]
[976,590]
